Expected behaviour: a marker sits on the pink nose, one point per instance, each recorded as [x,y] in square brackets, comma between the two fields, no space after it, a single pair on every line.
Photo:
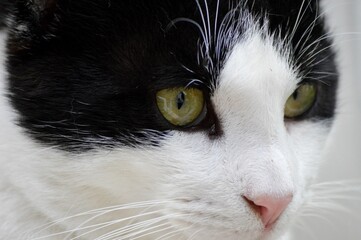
[269,208]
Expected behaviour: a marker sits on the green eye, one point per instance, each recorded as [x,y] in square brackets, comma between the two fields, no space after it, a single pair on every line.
[180,106]
[301,100]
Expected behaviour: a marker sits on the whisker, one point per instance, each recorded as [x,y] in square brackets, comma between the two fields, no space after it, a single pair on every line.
[172,234]
[119,236]
[106,224]
[298,19]
[308,31]
[195,234]
[204,24]
[135,226]
[304,228]
[150,233]
[101,214]
[128,206]
[216,21]
[103,225]
[208,21]
[317,216]
[169,235]
[177,20]
[322,38]
[127,229]
[352,184]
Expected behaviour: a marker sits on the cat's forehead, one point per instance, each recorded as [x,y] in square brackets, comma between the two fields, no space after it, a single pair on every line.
[253,87]
[258,68]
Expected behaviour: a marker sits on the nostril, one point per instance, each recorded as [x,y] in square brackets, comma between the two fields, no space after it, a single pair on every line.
[269,208]
[252,205]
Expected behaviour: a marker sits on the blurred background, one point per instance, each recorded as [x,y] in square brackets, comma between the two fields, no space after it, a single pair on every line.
[343,153]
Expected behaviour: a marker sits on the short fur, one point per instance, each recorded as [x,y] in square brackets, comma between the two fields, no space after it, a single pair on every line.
[86,152]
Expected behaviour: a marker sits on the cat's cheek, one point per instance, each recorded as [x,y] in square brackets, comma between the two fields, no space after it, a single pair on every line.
[200,176]
[208,181]
[308,140]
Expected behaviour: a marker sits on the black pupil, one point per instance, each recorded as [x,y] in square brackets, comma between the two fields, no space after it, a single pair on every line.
[180,100]
[295,95]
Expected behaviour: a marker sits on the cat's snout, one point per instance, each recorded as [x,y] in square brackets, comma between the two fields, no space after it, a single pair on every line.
[269,207]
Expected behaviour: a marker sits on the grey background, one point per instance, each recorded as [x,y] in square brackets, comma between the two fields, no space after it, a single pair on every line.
[343,152]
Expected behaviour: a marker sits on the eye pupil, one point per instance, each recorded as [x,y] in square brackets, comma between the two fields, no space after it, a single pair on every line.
[180,100]
[295,94]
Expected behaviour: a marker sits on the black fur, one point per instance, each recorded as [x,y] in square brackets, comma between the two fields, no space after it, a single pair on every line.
[6,7]
[85,72]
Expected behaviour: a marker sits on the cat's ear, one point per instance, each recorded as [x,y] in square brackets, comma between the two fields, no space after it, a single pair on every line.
[36,19]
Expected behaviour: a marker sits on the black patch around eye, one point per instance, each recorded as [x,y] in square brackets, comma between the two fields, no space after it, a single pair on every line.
[87,79]
[324,106]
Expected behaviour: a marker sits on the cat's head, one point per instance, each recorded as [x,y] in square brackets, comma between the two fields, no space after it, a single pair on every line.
[206,117]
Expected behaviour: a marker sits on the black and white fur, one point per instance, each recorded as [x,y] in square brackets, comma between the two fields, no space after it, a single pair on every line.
[85,153]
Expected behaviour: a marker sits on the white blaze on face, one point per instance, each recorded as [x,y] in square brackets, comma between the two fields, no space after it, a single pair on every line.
[253,88]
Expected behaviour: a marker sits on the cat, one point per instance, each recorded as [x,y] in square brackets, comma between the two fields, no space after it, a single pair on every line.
[161,119]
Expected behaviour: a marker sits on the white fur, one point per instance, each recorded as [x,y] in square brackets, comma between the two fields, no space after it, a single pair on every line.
[197,182]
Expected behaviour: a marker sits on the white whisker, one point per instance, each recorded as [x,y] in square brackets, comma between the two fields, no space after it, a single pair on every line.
[100,211]
[177,20]
[209,22]
[305,229]
[195,234]
[298,19]
[216,22]
[128,229]
[204,26]
[100,226]
[136,226]
[150,233]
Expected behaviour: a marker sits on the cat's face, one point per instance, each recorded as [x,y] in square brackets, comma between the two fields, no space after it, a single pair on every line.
[93,82]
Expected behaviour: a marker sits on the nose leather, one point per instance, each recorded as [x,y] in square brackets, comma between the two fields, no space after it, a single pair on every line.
[268,207]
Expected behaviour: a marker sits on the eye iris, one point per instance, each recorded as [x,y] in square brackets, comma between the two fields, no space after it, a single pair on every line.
[301,100]
[180,106]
